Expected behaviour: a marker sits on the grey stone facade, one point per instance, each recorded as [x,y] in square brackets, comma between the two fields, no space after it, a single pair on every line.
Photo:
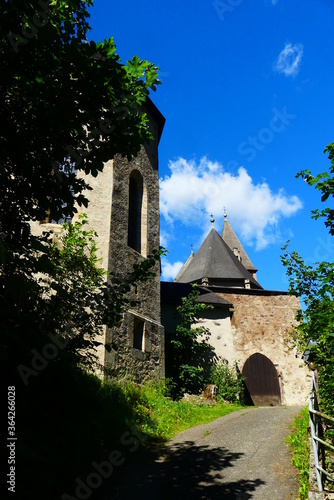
[124,211]
[125,239]
[125,359]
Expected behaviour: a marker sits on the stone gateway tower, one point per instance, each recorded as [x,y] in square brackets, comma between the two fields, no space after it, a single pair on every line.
[249,326]
[124,210]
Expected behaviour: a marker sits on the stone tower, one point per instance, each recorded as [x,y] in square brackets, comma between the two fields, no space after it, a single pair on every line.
[249,325]
[124,210]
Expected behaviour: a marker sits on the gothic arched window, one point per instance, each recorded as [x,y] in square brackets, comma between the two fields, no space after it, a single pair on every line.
[137,226]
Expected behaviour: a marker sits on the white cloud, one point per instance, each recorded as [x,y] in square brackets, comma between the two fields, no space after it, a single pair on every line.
[163,239]
[192,191]
[169,271]
[289,59]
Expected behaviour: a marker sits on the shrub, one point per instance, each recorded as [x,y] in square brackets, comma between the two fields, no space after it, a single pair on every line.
[229,381]
[191,351]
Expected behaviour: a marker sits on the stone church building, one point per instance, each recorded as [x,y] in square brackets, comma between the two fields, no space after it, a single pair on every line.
[124,211]
[248,325]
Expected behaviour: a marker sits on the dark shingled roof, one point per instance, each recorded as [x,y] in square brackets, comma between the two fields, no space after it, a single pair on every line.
[229,236]
[172,293]
[185,265]
[216,261]
[214,299]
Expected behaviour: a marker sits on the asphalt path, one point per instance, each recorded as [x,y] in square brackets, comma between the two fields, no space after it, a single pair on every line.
[240,456]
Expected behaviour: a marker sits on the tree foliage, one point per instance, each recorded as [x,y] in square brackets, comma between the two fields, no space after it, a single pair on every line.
[66,104]
[191,351]
[323,182]
[64,101]
[314,284]
[66,301]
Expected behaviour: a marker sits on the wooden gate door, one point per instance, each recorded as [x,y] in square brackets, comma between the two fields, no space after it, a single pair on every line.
[262,381]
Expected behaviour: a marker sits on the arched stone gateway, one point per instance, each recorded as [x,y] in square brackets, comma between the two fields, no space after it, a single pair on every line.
[245,318]
[262,380]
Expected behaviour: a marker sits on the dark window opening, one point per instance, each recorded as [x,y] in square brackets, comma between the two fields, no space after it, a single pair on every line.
[135,211]
[138,334]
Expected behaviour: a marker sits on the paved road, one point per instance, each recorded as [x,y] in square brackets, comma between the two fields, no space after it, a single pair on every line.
[239,456]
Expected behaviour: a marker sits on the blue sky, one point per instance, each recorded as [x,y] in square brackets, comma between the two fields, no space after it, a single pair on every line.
[247,92]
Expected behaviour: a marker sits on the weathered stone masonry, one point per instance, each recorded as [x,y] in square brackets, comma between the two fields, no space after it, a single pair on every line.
[138,344]
[124,358]
[263,323]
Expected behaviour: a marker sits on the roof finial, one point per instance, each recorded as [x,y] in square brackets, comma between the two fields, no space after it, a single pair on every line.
[212,220]
[192,251]
[225,213]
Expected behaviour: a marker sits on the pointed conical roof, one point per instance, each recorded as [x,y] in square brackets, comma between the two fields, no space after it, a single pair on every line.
[229,236]
[216,262]
[185,265]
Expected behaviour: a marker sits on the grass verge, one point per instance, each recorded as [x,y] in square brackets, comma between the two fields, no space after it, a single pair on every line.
[160,418]
[299,442]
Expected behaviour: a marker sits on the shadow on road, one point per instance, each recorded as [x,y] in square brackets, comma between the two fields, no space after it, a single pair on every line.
[184,471]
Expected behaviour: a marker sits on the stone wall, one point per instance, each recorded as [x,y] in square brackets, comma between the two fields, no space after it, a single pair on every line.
[124,359]
[99,207]
[121,256]
[127,362]
[99,214]
[263,323]
[259,322]
[218,321]
[108,213]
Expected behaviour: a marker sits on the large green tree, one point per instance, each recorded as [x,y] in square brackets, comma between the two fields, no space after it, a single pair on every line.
[64,101]
[314,284]
[62,419]
[69,302]
[66,104]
